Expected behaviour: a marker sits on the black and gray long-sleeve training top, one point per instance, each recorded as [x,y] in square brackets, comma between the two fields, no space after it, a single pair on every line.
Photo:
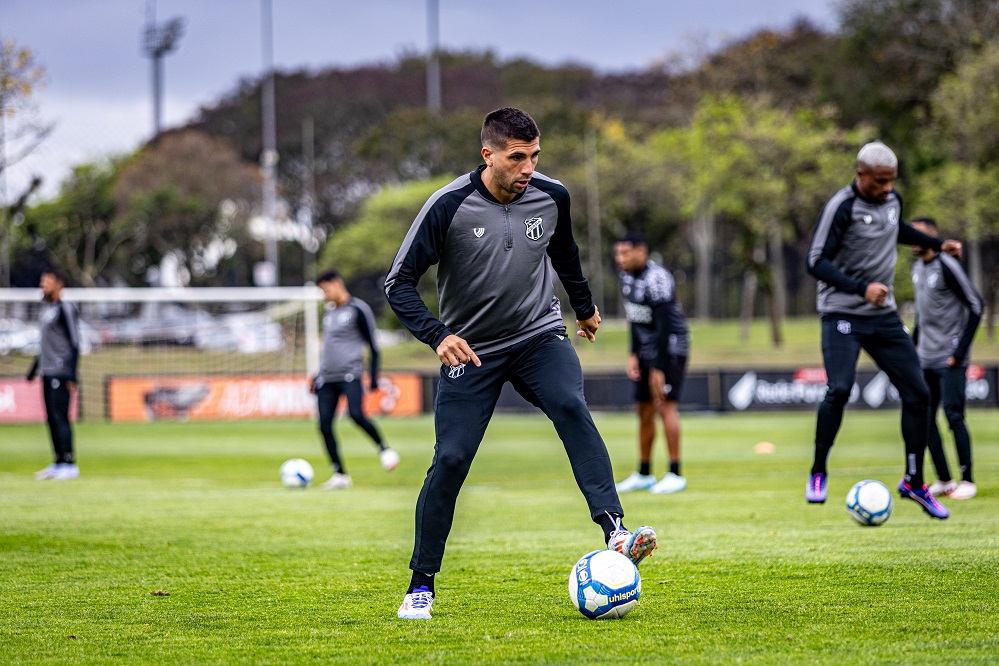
[496,264]
[854,244]
[658,327]
[347,329]
[948,310]
[60,345]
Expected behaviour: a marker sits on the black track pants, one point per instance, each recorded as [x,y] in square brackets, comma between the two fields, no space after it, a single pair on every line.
[948,385]
[56,395]
[545,370]
[884,338]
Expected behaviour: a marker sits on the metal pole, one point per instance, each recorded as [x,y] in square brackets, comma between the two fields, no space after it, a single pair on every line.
[593,216]
[309,186]
[157,93]
[269,154]
[433,58]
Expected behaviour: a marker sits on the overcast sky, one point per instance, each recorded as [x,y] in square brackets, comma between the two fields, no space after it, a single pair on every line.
[98,88]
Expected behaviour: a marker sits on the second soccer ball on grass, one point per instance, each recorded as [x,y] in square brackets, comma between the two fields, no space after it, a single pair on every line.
[869,502]
[604,584]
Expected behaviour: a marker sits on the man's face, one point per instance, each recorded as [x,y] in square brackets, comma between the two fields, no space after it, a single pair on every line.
[630,257]
[51,286]
[333,291]
[875,183]
[512,166]
[918,250]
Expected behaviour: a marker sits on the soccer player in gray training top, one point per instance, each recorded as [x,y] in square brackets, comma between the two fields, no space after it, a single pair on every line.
[948,310]
[56,363]
[348,326]
[853,254]
[498,234]
[660,343]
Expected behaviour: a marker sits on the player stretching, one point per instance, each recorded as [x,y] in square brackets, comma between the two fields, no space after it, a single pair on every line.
[660,344]
[348,326]
[497,234]
[948,310]
[853,256]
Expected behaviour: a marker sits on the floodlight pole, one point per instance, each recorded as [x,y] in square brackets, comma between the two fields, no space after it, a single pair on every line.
[269,154]
[433,58]
[159,40]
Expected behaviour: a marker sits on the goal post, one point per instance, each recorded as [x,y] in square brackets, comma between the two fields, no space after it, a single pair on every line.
[160,349]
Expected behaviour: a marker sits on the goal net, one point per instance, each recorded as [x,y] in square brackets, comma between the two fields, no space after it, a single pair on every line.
[210,353]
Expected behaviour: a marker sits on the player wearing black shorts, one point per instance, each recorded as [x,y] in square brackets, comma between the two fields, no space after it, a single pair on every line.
[499,236]
[660,344]
[853,255]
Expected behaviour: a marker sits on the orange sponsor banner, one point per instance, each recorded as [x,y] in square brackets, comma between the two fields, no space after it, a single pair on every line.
[234,397]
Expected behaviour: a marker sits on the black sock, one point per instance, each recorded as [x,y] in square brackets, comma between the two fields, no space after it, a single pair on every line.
[674,467]
[645,467]
[608,523]
[421,579]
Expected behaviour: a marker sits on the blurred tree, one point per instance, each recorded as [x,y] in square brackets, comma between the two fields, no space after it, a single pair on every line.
[364,251]
[79,228]
[21,131]
[898,50]
[190,196]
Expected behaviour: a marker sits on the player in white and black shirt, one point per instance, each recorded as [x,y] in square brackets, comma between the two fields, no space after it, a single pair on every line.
[948,311]
[348,327]
[660,344]
[57,364]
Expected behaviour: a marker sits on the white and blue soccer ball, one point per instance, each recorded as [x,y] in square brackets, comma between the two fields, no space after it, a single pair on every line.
[869,502]
[604,584]
[296,473]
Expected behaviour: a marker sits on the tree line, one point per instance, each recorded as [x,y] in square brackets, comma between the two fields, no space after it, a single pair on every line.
[723,162]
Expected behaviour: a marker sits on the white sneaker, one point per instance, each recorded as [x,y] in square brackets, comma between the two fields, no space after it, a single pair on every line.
[47,473]
[671,483]
[636,482]
[416,605]
[390,459]
[633,545]
[964,490]
[66,472]
[337,482]
[941,488]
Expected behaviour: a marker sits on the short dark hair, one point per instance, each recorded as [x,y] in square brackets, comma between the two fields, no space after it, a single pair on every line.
[57,273]
[327,276]
[928,221]
[508,123]
[634,238]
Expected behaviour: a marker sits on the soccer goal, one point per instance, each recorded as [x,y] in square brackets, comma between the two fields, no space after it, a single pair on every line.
[181,353]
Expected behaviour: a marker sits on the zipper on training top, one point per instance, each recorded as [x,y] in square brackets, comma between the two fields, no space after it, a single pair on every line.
[509,232]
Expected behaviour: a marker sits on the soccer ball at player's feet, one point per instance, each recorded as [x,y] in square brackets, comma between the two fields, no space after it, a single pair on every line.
[604,584]
[296,473]
[869,502]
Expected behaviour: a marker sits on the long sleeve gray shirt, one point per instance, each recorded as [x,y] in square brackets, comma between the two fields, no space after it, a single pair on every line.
[854,245]
[496,264]
[60,344]
[948,310]
[347,330]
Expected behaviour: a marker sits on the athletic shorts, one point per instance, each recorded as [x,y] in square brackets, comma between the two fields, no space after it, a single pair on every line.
[676,372]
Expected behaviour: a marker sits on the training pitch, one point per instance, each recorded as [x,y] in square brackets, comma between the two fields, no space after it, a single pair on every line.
[178,545]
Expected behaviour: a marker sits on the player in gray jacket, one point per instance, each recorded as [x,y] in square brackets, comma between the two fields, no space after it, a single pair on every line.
[348,326]
[853,255]
[948,310]
[499,236]
[57,363]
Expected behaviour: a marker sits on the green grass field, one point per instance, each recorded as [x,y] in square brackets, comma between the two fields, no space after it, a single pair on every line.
[179,546]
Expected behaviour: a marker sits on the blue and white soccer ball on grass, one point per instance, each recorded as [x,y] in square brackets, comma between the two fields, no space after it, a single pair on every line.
[604,584]
[869,502]
[296,473]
